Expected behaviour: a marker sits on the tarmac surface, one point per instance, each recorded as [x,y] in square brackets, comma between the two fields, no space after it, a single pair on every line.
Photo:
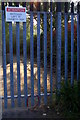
[39,113]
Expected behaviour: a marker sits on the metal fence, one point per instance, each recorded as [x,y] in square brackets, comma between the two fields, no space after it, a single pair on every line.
[58,15]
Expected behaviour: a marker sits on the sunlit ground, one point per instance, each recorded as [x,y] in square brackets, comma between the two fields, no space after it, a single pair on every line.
[22,79]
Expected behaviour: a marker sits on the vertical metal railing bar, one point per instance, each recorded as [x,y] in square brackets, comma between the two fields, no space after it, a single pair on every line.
[25,59]
[3,9]
[4,58]
[45,58]
[58,46]
[78,43]
[51,52]
[38,53]
[72,44]
[66,42]
[18,59]
[32,56]
[11,62]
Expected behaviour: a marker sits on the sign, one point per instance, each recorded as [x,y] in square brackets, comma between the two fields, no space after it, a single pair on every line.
[15,14]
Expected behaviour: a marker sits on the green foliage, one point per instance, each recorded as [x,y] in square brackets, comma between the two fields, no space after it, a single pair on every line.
[68,100]
[14,37]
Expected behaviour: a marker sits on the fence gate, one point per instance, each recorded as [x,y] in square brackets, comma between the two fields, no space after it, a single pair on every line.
[37,87]
[10,57]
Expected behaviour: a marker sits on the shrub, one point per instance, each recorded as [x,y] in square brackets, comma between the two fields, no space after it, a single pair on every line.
[68,100]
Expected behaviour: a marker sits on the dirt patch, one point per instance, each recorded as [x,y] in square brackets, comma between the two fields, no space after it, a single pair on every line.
[22,79]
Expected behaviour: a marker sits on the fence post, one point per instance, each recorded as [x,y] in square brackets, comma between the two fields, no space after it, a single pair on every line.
[18,59]
[51,54]
[38,49]
[58,46]
[32,54]
[72,44]
[78,43]
[11,62]
[66,42]
[45,53]
[4,55]
[25,58]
